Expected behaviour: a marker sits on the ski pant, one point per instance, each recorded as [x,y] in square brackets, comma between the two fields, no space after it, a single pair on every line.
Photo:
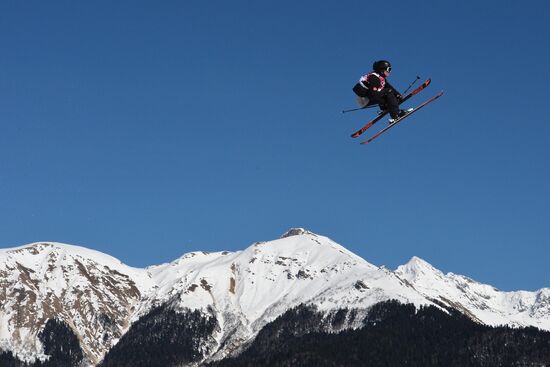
[387,100]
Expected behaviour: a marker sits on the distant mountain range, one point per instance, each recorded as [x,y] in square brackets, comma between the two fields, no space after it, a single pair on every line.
[211,308]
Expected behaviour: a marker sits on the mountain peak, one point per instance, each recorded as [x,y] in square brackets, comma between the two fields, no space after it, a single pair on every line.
[297,232]
[419,263]
[416,268]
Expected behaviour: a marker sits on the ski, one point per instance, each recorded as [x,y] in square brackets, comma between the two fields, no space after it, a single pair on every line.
[382,114]
[402,118]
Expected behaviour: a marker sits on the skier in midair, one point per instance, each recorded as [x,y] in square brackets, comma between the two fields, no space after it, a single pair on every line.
[374,88]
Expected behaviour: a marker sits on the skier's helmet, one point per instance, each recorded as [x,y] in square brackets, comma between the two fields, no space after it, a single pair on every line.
[381,66]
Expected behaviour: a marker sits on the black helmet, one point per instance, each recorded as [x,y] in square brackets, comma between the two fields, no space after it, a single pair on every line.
[381,66]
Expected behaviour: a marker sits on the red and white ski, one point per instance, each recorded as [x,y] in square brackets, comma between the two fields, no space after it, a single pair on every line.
[402,118]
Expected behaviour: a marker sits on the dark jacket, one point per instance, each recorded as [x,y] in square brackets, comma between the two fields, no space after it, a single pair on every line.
[372,83]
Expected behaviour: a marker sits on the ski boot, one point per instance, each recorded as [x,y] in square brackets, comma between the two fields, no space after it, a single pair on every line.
[401,114]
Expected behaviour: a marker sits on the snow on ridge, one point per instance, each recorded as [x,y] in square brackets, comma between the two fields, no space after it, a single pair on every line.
[288,243]
[293,241]
[38,248]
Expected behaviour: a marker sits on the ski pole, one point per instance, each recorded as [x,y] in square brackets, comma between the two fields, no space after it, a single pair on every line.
[410,85]
[357,109]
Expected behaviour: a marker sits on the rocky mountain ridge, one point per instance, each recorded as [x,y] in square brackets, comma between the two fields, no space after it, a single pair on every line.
[99,298]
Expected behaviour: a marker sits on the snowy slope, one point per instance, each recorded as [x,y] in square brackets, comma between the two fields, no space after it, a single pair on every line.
[99,297]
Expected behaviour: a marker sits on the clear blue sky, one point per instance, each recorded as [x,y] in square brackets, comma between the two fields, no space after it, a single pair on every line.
[149,129]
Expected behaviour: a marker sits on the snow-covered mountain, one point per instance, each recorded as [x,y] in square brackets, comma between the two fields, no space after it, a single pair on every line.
[481,302]
[92,292]
[100,298]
